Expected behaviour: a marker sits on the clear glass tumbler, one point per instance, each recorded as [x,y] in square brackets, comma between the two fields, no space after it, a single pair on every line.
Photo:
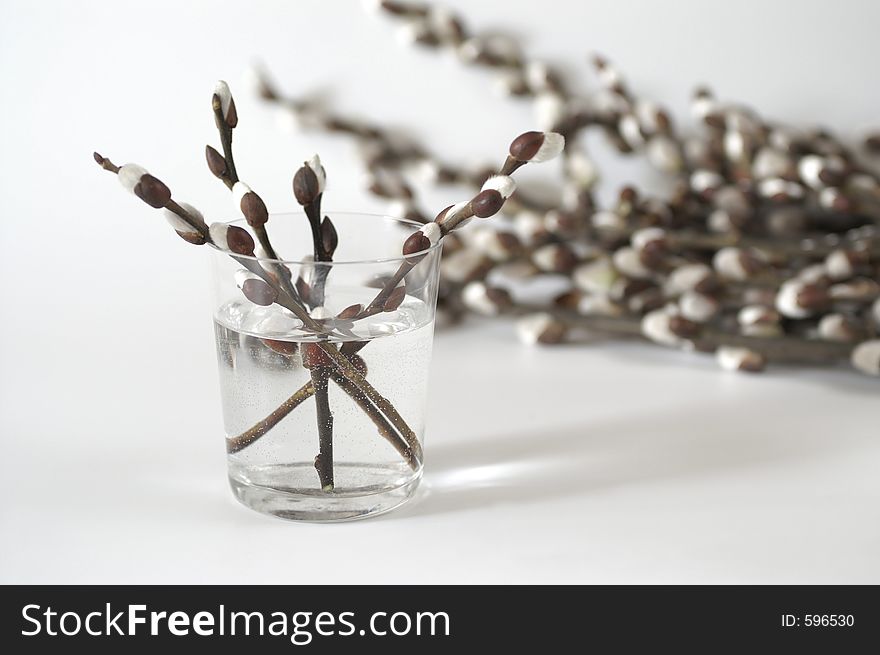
[326,423]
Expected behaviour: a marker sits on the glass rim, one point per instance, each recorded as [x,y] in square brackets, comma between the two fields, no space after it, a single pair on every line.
[344,262]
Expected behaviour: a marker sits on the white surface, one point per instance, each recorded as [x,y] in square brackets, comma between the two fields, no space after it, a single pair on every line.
[601,463]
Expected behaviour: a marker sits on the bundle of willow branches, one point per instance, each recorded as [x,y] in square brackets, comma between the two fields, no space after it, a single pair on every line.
[265,279]
[767,246]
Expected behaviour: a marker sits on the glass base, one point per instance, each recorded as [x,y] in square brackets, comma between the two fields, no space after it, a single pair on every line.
[288,490]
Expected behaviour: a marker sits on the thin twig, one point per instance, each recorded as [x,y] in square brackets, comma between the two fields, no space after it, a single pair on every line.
[386,430]
[324,459]
[246,438]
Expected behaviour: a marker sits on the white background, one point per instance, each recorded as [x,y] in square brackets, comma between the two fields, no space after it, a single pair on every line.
[584,463]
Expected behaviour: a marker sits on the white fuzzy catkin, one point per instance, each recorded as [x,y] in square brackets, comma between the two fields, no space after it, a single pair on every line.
[813,273]
[728,263]
[549,110]
[533,327]
[487,242]
[595,277]
[697,307]
[776,186]
[320,313]
[627,261]
[129,175]
[809,169]
[217,232]
[545,257]
[834,327]
[411,31]
[239,190]
[608,220]
[770,162]
[732,358]
[656,327]
[528,225]
[314,162]
[664,154]
[759,321]
[866,357]
[475,296]
[221,90]
[551,146]
[597,305]
[631,131]
[455,211]
[398,208]
[643,237]
[735,145]
[503,184]
[177,222]
[443,23]
[752,314]
[684,278]
[461,264]
[537,75]
[432,232]
[787,300]
[704,180]
[702,105]
[242,275]
[838,265]
[581,169]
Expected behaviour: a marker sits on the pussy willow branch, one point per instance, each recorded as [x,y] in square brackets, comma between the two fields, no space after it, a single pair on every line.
[230,178]
[320,374]
[324,459]
[386,430]
[781,349]
[246,438]
[288,302]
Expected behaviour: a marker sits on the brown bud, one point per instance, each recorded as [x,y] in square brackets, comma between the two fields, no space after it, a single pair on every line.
[555,258]
[192,237]
[306,188]
[395,299]
[303,288]
[254,209]
[872,144]
[329,237]
[754,363]
[831,177]
[258,291]
[709,285]
[499,297]
[416,242]
[350,312]
[152,191]
[813,297]
[286,348]
[526,146]
[487,203]
[684,328]
[653,254]
[231,114]
[240,241]
[216,162]
[314,357]
[568,299]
